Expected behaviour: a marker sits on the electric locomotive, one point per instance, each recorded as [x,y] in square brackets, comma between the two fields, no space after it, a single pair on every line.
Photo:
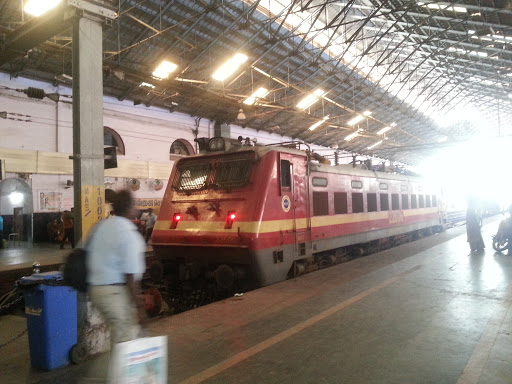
[240,215]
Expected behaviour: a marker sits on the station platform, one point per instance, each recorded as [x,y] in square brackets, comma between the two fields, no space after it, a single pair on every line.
[423,312]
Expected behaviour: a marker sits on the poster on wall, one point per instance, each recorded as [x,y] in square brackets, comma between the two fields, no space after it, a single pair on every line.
[50,201]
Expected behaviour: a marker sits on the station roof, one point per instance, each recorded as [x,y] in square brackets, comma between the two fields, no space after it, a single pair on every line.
[411,64]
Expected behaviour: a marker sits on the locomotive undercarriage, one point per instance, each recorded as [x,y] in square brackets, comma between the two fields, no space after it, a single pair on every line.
[199,275]
[189,277]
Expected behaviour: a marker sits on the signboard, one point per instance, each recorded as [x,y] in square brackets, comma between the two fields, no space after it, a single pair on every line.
[147,203]
[50,201]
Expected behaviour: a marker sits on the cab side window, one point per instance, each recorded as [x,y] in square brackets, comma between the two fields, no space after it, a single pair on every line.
[286,180]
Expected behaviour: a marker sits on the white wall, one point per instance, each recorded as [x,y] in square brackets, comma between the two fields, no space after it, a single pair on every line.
[147,132]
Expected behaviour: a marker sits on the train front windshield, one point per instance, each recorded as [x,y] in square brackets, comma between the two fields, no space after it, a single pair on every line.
[224,172]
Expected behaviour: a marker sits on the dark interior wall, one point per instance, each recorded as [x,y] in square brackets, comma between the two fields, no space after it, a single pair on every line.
[41,220]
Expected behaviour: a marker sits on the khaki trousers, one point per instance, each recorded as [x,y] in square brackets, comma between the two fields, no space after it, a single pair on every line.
[118,309]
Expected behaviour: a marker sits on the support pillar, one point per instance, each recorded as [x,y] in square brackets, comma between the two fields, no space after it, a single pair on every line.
[89,188]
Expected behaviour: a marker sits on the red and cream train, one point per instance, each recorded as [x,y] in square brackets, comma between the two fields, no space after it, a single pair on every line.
[258,215]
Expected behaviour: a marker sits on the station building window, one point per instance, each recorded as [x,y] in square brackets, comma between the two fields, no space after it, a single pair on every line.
[422,201]
[427,198]
[112,139]
[340,203]
[357,203]
[371,200]
[434,200]
[180,148]
[320,203]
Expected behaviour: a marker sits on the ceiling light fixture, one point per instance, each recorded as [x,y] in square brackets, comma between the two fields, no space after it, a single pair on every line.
[444,7]
[16,198]
[241,115]
[384,130]
[359,118]
[39,7]
[164,69]
[258,94]
[229,67]
[310,99]
[374,145]
[147,85]
[353,135]
[318,123]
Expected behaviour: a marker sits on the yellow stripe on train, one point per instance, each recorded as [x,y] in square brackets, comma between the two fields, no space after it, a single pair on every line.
[269,226]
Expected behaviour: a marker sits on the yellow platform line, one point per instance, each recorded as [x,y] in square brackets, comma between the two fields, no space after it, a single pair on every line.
[238,358]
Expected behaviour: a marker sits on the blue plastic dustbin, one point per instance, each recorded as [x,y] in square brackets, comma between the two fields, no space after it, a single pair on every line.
[51,319]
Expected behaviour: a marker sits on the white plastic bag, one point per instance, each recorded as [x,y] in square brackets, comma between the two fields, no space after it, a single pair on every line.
[139,361]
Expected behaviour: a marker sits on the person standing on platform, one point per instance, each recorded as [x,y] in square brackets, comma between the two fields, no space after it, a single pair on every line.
[115,264]
[150,223]
[476,243]
[69,228]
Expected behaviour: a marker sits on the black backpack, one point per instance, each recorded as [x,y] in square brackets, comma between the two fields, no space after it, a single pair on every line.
[75,270]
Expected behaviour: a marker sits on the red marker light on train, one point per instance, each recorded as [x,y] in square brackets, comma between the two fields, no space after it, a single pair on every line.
[175,219]
[230,218]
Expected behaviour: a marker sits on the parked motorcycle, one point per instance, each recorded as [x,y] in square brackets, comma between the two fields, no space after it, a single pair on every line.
[501,238]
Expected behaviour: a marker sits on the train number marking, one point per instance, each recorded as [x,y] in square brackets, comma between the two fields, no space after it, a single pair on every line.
[395,217]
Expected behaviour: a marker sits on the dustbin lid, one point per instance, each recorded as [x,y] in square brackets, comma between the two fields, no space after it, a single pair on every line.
[51,275]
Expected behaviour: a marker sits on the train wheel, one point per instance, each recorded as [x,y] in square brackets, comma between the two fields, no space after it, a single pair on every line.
[224,276]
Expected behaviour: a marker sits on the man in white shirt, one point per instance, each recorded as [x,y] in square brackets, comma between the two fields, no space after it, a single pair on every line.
[115,264]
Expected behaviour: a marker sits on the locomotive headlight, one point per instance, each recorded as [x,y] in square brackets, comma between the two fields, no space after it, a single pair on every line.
[230,218]
[175,220]
[216,144]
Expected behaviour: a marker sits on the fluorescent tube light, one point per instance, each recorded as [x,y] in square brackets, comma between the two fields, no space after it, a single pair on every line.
[310,99]
[147,85]
[230,67]
[355,120]
[384,130]
[374,145]
[318,123]
[38,7]
[164,69]
[444,7]
[258,94]
[442,139]
[353,135]
[359,118]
